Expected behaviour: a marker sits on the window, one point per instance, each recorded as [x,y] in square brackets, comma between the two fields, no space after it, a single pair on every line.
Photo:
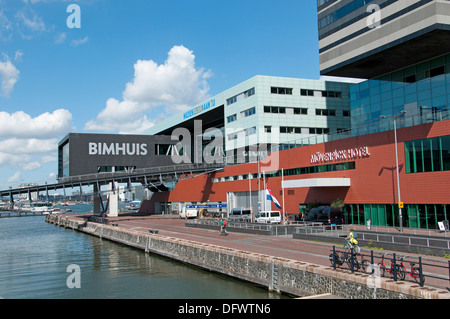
[275,109]
[325,112]
[346,113]
[319,130]
[428,155]
[163,149]
[290,130]
[342,12]
[248,112]
[284,91]
[232,100]
[250,131]
[249,92]
[300,111]
[241,96]
[332,94]
[231,118]
[437,71]
[267,129]
[304,92]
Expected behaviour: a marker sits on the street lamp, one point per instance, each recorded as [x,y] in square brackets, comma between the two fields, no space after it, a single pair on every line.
[396,159]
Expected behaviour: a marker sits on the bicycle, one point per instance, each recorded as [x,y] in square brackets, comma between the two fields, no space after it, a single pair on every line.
[414,273]
[384,269]
[223,231]
[349,256]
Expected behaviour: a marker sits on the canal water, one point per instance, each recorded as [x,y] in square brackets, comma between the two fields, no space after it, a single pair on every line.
[35,260]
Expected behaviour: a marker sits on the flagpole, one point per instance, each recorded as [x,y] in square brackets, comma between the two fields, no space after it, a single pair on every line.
[264,196]
[250,193]
[282,190]
[259,187]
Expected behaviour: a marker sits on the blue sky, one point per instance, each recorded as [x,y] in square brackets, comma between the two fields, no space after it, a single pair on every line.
[132,64]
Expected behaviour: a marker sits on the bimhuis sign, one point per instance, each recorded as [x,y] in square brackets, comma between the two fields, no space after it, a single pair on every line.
[124,149]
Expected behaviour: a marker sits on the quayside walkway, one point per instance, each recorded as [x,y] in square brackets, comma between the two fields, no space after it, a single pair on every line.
[298,250]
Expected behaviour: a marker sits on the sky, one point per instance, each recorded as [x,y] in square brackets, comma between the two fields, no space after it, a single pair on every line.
[116,66]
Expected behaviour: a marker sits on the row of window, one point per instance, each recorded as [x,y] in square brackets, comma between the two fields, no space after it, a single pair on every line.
[292,172]
[302,111]
[317,93]
[243,95]
[306,92]
[245,113]
[246,132]
[286,110]
[426,216]
[338,14]
[428,155]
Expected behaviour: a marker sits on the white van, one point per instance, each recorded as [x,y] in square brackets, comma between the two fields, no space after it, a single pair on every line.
[273,217]
[241,214]
[188,213]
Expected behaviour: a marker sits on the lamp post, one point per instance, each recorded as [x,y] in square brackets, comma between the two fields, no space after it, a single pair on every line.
[396,160]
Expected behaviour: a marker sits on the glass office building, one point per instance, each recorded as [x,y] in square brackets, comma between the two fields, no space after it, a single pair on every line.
[401,49]
[422,90]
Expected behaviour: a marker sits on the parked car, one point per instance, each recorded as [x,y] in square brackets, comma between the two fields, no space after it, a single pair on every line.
[326,215]
[241,214]
[188,213]
[273,217]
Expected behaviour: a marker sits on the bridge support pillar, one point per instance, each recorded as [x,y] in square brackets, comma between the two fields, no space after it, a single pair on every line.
[97,201]
[113,200]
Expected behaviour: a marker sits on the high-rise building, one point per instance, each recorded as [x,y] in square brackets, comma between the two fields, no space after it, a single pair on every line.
[264,111]
[402,49]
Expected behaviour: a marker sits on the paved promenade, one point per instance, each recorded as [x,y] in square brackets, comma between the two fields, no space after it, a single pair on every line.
[296,249]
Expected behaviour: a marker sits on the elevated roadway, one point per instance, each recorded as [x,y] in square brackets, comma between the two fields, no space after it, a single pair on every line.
[154,178]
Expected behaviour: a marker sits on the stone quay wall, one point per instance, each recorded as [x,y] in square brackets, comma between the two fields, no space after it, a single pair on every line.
[277,274]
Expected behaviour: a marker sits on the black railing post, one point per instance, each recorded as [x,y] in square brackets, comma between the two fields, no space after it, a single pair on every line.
[449,271]
[421,273]
[334,257]
[371,262]
[395,267]
[351,260]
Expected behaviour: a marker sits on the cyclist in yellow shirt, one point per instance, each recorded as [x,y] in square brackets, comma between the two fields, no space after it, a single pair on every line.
[351,239]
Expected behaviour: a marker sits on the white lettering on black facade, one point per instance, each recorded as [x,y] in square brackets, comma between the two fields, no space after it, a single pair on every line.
[129,149]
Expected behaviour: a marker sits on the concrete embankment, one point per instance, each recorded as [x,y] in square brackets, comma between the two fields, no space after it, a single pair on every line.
[279,274]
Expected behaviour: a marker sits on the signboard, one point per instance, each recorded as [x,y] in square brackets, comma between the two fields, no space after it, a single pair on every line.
[207,206]
[401,205]
[341,155]
[199,109]
[443,226]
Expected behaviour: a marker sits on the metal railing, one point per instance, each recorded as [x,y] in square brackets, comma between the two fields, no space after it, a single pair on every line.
[399,268]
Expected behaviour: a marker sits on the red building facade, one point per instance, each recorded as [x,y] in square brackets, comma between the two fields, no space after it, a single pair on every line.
[360,170]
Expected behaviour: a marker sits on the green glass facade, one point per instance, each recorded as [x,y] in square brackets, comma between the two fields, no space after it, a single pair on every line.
[414,216]
[428,155]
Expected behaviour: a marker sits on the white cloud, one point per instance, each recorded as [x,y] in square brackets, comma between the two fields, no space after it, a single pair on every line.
[28,143]
[60,37]
[16,178]
[46,125]
[29,23]
[162,90]
[80,41]
[9,76]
